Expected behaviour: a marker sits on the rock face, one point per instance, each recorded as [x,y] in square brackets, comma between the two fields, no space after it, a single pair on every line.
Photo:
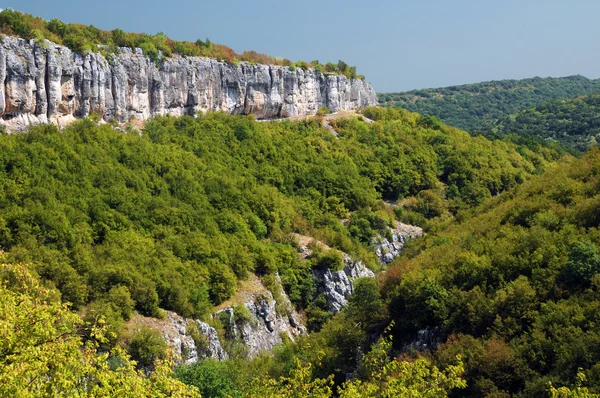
[427,340]
[387,250]
[178,334]
[45,82]
[337,286]
[268,321]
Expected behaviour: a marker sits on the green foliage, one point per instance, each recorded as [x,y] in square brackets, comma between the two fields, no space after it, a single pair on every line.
[514,285]
[584,263]
[42,354]
[384,378]
[176,216]
[213,378]
[299,384]
[477,106]
[242,314]
[573,122]
[510,286]
[396,378]
[147,346]
[578,392]
[331,259]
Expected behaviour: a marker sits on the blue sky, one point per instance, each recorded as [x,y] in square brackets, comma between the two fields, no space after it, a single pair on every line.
[399,45]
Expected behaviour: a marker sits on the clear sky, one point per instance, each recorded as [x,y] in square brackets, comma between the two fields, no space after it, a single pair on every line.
[399,45]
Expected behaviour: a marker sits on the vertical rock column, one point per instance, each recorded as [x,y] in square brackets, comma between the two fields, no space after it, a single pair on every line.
[2,79]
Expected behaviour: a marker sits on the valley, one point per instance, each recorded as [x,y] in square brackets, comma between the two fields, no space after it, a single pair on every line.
[178,219]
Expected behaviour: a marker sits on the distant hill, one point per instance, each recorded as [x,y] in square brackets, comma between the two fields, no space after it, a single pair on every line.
[475,106]
[573,122]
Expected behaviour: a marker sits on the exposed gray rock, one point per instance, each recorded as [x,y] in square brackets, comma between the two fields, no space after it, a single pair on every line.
[427,339]
[387,250]
[213,349]
[176,332]
[45,82]
[337,286]
[267,324]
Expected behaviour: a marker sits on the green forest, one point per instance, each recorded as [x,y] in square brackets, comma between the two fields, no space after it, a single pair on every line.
[108,229]
[475,107]
[573,122]
[114,220]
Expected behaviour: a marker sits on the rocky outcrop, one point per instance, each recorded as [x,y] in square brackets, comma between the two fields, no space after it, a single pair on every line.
[263,322]
[45,82]
[427,340]
[337,286]
[387,249]
[190,340]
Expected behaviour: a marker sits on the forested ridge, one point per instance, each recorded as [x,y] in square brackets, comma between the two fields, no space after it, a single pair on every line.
[171,217]
[572,122]
[510,289]
[513,286]
[475,107]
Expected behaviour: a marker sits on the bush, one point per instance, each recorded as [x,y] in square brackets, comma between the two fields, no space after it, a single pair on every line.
[146,346]
[331,259]
[241,314]
[213,378]
[120,298]
[323,111]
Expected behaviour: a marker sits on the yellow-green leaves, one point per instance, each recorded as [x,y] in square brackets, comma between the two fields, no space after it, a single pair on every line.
[42,353]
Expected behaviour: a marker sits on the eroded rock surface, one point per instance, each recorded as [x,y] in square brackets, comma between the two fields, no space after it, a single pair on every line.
[45,82]
[337,286]
[177,332]
[268,322]
[387,249]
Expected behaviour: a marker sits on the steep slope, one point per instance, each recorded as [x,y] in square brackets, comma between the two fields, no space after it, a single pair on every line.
[573,122]
[474,106]
[513,288]
[180,213]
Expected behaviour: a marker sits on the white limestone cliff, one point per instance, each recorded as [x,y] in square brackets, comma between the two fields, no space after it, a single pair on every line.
[45,82]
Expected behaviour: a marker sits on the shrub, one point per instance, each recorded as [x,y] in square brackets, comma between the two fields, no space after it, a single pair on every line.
[241,314]
[200,339]
[331,259]
[146,346]
[323,111]
[213,378]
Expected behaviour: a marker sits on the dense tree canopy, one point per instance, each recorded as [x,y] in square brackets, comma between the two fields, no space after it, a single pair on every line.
[173,216]
[573,122]
[42,353]
[475,107]
[513,288]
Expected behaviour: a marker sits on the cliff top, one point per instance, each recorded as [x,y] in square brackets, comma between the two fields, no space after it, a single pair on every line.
[83,39]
